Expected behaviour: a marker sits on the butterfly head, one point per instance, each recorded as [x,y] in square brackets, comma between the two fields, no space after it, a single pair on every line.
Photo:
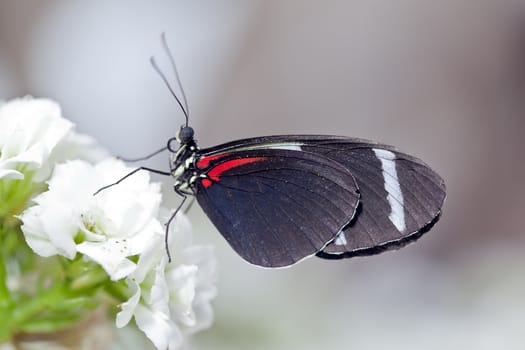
[182,142]
[185,135]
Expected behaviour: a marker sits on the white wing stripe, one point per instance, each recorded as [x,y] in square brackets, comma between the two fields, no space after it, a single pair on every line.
[391,183]
[291,146]
[340,239]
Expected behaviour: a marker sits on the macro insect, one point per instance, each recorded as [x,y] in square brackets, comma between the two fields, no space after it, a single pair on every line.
[280,199]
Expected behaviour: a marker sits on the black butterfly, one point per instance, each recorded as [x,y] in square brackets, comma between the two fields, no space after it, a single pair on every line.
[280,199]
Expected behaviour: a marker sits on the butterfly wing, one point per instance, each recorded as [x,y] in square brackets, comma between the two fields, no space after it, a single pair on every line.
[401,197]
[275,206]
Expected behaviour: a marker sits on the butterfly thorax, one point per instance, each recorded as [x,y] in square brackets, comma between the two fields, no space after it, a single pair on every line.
[182,166]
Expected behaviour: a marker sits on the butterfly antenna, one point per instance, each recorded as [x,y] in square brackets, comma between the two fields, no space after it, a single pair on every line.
[174,67]
[157,69]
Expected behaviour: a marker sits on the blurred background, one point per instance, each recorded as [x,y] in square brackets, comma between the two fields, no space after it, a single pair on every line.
[442,80]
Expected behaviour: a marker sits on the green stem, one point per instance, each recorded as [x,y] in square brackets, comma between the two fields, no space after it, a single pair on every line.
[5,296]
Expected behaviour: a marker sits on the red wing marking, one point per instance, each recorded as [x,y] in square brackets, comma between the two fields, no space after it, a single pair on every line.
[215,173]
[204,162]
[206,182]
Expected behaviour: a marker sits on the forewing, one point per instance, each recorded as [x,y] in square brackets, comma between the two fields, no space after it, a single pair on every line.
[274,206]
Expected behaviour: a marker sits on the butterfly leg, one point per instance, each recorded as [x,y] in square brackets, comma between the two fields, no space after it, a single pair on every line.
[167,173]
[168,223]
[188,207]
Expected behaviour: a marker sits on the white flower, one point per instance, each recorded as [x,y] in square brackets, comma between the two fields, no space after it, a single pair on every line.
[108,228]
[29,131]
[171,299]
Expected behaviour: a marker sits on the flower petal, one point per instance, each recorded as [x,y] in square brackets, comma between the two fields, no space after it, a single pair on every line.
[182,281]
[128,307]
[158,327]
[36,238]
[111,255]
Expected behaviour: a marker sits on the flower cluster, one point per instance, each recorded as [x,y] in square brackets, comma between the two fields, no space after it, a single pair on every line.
[111,243]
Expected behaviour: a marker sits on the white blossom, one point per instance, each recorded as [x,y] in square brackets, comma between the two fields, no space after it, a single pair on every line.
[173,299]
[108,228]
[30,130]
[121,228]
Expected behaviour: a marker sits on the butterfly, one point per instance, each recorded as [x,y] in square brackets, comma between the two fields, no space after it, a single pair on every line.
[279,199]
